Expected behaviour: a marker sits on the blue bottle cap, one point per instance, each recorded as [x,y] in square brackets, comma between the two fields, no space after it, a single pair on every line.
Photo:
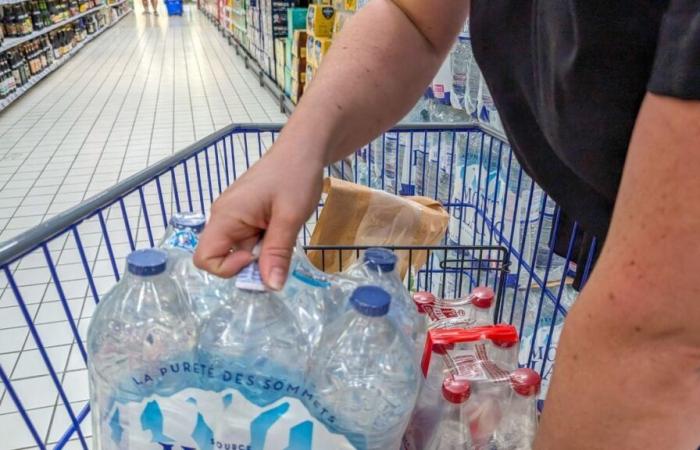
[192,220]
[379,258]
[370,301]
[147,262]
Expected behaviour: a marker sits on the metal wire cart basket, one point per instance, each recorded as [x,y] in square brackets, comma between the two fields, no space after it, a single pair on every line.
[501,233]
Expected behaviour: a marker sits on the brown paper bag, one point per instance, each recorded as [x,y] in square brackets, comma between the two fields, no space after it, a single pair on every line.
[357,215]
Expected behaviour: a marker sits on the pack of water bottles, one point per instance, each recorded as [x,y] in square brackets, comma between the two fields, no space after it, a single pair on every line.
[183,360]
[180,359]
[473,396]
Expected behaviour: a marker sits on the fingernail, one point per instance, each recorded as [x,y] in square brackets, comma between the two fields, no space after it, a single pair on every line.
[277,278]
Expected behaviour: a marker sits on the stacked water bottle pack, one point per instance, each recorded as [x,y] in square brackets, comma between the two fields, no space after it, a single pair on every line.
[473,396]
[180,359]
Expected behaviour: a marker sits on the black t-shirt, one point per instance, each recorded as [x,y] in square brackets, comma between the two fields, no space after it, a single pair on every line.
[568,78]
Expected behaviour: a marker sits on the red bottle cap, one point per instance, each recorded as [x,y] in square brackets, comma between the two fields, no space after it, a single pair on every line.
[525,382]
[455,391]
[482,297]
[423,299]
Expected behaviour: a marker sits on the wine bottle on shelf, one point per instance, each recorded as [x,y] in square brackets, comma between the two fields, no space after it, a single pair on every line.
[15,27]
[2,26]
[73,7]
[55,47]
[26,20]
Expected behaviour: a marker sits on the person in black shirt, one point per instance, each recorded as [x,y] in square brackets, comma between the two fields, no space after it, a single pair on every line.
[599,100]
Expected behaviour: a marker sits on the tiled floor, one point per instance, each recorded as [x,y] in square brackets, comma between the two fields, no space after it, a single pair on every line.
[148,87]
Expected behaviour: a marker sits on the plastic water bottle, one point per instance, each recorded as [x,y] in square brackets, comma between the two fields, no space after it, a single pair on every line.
[254,332]
[473,81]
[388,153]
[424,302]
[314,297]
[460,58]
[366,373]
[519,424]
[378,267]
[453,431]
[476,309]
[181,223]
[255,342]
[423,421]
[180,241]
[487,108]
[140,329]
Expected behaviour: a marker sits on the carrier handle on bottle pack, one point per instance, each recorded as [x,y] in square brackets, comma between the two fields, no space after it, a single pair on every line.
[502,335]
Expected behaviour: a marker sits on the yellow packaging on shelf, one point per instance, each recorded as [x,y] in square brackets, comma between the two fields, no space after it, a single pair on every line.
[341,17]
[310,50]
[323,2]
[321,46]
[319,20]
[350,5]
[299,43]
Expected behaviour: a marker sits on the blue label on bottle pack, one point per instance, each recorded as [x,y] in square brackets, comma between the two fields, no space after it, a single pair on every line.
[308,277]
[219,406]
[183,240]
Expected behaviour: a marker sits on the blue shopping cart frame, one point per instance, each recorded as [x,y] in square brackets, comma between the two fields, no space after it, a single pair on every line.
[493,206]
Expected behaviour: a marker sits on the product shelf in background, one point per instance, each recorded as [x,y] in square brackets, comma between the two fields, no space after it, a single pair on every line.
[117,3]
[286,105]
[14,42]
[4,103]
[10,2]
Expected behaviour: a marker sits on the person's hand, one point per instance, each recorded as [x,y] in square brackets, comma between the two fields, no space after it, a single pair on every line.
[275,196]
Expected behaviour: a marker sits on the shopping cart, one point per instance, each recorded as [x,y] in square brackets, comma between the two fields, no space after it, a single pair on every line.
[499,234]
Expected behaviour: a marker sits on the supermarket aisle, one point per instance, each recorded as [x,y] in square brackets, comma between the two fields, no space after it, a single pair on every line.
[148,87]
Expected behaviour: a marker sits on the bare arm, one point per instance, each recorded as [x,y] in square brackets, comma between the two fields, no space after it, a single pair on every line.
[374,72]
[628,365]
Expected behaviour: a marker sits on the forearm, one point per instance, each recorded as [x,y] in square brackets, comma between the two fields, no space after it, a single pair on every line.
[373,74]
[628,363]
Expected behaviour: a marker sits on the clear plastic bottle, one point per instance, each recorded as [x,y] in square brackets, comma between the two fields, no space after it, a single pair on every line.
[473,81]
[424,419]
[424,302]
[487,108]
[378,267]
[476,309]
[460,58]
[255,332]
[204,291]
[312,296]
[453,432]
[183,222]
[141,325]
[366,373]
[519,424]
[255,339]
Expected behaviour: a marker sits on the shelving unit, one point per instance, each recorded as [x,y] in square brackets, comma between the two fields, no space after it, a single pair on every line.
[120,2]
[13,42]
[4,103]
[286,105]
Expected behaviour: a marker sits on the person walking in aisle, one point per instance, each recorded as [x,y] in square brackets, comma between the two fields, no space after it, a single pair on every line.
[599,100]
[154,4]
